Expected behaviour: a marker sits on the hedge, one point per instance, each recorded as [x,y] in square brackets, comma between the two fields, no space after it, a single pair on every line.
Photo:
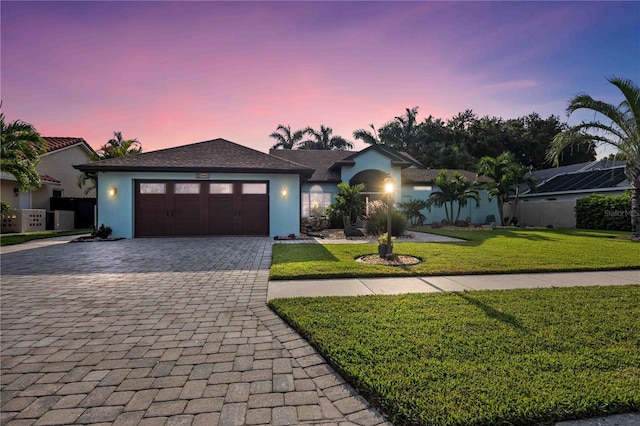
[609,212]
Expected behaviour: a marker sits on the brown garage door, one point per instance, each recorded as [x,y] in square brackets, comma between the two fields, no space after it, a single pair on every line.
[169,208]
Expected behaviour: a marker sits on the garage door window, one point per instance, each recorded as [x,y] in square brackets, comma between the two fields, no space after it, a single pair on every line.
[220,188]
[254,188]
[153,188]
[187,188]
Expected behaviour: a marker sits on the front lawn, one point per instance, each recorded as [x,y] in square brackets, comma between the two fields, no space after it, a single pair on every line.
[529,356]
[492,251]
[11,239]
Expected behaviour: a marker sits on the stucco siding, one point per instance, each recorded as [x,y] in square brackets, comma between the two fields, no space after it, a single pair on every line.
[58,164]
[437,214]
[118,212]
[373,160]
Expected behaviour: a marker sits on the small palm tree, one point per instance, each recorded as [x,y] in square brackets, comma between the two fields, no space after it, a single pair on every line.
[458,190]
[20,152]
[324,140]
[348,203]
[119,147]
[115,147]
[411,209]
[622,132]
[507,175]
[285,139]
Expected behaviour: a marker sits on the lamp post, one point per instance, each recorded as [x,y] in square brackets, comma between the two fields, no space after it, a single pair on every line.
[388,188]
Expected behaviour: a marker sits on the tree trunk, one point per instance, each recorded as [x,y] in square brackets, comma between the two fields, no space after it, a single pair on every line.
[632,171]
[501,210]
[635,209]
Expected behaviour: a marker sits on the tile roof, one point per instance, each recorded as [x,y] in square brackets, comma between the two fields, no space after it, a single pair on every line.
[55,143]
[319,160]
[49,179]
[429,175]
[218,155]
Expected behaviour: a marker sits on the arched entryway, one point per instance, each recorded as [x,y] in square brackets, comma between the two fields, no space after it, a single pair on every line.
[373,181]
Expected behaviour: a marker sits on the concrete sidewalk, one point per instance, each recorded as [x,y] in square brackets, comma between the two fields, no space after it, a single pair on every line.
[399,285]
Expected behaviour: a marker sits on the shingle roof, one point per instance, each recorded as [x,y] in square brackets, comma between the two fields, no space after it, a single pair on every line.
[326,163]
[218,155]
[55,143]
[429,175]
[319,160]
[398,158]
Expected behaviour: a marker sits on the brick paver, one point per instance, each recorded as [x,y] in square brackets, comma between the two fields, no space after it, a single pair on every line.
[158,332]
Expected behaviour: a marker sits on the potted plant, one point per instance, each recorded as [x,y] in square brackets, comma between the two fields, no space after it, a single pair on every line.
[383,248]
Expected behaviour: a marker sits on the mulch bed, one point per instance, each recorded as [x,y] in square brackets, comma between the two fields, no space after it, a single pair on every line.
[395,260]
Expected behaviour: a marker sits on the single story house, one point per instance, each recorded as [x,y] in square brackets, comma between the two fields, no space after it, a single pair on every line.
[218,187]
[553,201]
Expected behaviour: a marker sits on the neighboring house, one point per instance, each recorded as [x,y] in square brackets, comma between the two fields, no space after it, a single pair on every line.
[59,178]
[218,187]
[553,201]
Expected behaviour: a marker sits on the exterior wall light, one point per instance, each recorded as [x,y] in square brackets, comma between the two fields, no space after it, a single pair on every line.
[284,192]
[112,191]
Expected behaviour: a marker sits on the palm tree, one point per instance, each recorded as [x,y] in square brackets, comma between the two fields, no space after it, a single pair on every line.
[115,147]
[622,133]
[367,136]
[402,132]
[458,190]
[507,176]
[324,140]
[348,203]
[119,147]
[20,152]
[285,139]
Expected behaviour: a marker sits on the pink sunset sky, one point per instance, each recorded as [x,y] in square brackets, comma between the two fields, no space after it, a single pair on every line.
[173,73]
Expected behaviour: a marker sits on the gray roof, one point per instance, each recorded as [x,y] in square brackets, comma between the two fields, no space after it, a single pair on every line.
[319,160]
[398,158]
[218,155]
[327,163]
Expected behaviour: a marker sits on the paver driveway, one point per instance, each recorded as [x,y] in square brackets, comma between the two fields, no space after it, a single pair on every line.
[158,331]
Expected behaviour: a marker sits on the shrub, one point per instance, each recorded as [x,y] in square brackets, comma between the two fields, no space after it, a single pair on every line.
[103,231]
[373,207]
[4,207]
[411,210]
[607,212]
[377,223]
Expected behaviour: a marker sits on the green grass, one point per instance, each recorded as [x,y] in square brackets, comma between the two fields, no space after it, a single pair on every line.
[11,239]
[497,251]
[516,357]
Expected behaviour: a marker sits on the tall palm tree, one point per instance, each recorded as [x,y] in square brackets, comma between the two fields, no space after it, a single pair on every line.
[115,147]
[367,136]
[622,133]
[285,139]
[20,152]
[458,190]
[507,175]
[402,132]
[324,140]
